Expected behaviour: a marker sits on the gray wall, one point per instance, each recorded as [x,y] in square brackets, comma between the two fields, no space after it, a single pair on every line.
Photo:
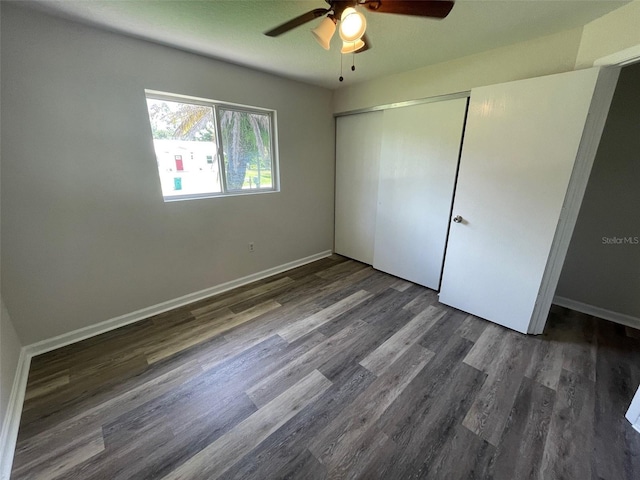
[85,234]
[608,275]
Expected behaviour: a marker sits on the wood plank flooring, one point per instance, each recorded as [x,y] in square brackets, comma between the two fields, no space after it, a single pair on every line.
[334,370]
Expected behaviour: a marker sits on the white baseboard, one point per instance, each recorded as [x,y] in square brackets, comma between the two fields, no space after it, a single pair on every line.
[108,325]
[11,421]
[628,320]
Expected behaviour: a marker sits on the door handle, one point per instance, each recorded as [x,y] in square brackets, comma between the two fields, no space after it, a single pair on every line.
[457,219]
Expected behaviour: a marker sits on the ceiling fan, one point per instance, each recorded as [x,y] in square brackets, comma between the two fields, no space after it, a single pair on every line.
[353,23]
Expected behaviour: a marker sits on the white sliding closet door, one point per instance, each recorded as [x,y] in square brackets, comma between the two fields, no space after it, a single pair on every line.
[521,143]
[418,164]
[357,161]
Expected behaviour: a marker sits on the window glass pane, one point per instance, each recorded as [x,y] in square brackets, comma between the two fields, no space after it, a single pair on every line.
[246,143]
[185,143]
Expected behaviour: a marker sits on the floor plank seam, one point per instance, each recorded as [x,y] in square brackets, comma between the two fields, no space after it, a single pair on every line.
[333,370]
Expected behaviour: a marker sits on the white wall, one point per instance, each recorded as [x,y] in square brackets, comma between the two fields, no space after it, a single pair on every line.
[85,234]
[607,275]
[541,56]
[611,33]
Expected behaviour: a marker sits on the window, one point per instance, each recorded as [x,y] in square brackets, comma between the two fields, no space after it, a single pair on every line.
[206,148]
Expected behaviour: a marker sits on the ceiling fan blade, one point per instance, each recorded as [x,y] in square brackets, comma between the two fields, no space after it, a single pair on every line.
[296,22]
[367,44]
[420,8]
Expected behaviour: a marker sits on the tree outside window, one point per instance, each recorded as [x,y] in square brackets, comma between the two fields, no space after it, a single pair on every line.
[222,149]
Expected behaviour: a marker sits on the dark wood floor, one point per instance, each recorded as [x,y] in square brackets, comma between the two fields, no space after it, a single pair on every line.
[334,370]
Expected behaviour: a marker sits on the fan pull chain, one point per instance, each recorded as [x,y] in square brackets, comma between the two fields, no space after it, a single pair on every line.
[353,64]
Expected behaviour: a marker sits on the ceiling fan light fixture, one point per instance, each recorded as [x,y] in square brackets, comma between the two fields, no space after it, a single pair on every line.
[351,47]
[352,25]
[324,32]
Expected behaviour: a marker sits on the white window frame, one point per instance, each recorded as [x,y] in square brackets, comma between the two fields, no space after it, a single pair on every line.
[219,155]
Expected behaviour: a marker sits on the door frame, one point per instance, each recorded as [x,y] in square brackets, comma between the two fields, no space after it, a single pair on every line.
[594,126]
[614,61]
[622,58]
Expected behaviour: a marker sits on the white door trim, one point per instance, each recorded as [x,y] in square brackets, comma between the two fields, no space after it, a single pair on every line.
[633,414]
[598,112]
[620,59]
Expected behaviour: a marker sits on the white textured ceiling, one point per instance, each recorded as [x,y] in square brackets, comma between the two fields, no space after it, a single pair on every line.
[232,30]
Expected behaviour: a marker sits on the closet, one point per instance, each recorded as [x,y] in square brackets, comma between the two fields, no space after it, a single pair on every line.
[395,175]
[358,142]
[418,163]
[515,188]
